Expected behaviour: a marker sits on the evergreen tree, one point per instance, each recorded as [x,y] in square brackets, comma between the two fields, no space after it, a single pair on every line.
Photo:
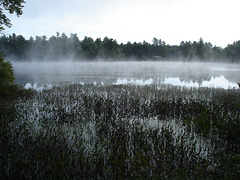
[62,47]
[6,76]
[6,69]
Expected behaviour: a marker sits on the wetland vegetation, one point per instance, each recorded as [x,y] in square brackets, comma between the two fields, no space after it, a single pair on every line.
[91,131]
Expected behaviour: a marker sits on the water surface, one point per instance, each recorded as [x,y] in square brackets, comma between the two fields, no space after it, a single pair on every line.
[38,74]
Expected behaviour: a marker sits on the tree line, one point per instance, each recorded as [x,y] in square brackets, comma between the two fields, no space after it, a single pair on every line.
[61,47]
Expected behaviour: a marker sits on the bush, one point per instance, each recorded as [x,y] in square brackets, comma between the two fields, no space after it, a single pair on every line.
[6,77]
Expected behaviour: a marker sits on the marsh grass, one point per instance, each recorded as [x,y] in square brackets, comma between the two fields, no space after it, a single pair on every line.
[121,131]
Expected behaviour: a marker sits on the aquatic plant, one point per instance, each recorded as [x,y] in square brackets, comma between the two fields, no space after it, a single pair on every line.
[121,131]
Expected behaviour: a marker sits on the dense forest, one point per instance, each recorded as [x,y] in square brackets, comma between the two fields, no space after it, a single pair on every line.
[61,47]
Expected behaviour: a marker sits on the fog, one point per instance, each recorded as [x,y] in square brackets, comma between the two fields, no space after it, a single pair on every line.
[38,75]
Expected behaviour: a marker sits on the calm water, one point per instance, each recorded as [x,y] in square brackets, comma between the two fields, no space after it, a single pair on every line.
[38,74]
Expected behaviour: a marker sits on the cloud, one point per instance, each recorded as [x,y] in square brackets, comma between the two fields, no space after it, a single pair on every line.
[135,20]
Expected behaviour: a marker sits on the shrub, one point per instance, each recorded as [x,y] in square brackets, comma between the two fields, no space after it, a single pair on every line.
[6,77]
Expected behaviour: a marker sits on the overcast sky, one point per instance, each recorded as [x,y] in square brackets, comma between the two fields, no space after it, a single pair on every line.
[216,21]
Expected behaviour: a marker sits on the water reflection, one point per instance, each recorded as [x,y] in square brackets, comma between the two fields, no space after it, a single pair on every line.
[139,82]
[216,82]
[137,73]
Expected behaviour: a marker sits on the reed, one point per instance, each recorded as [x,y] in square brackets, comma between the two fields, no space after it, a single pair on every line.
[121,131]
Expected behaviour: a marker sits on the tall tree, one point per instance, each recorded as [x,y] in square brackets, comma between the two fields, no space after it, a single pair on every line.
[6,69]
[6,76]
[200,49]
[89,47]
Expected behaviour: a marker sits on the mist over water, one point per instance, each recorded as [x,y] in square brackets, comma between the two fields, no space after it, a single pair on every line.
[39,75]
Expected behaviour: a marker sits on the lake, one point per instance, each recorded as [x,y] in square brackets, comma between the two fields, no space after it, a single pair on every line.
[191,74]
[150,127]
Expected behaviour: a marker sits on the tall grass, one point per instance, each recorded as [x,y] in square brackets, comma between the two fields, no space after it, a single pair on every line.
[121,131]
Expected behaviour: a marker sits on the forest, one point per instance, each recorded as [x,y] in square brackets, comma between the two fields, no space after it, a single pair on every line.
[61,47]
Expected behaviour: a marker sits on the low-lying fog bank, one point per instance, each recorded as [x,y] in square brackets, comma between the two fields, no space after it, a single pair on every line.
[189,74]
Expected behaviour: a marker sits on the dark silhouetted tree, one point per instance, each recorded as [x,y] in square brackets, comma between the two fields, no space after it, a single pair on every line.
[232,51]
[111,48]
[62,47]
[6,69]
[12,6]
[6,76]
[89,48]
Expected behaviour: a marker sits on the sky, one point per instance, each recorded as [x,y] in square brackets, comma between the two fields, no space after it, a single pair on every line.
[216,21]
